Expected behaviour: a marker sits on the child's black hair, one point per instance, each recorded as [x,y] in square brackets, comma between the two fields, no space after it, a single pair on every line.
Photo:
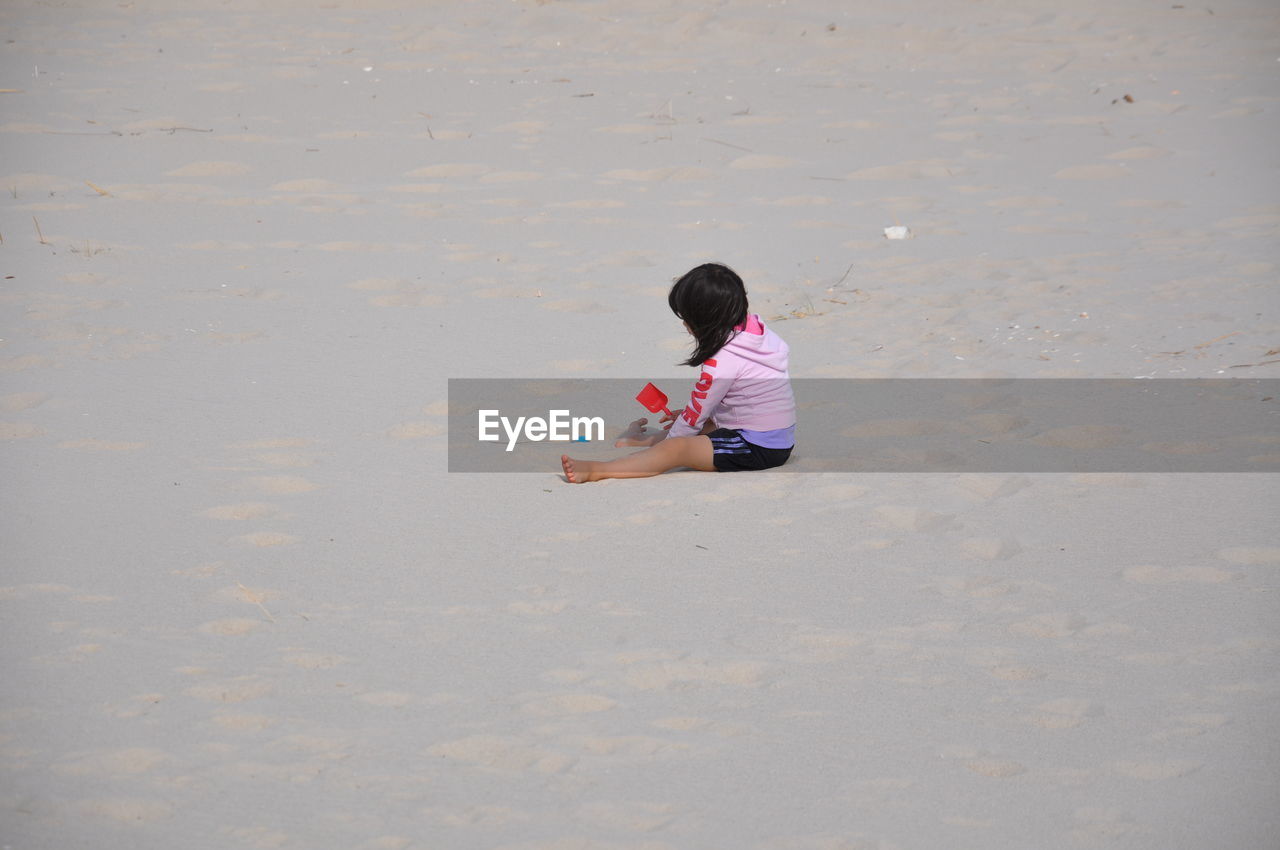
[712,301]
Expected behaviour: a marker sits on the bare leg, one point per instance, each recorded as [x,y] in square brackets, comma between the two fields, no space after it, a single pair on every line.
[673,452]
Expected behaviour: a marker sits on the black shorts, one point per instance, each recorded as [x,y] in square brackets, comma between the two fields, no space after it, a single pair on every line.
[732,453]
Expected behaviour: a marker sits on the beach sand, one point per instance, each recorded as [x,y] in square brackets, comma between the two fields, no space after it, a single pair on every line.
[245,605]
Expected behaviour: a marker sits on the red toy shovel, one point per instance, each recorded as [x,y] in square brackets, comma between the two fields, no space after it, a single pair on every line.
[653,399]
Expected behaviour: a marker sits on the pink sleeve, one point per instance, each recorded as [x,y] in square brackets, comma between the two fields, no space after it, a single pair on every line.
[703,401]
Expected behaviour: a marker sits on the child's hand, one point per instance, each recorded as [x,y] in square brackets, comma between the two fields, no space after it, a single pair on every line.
[670,420]
[635,435]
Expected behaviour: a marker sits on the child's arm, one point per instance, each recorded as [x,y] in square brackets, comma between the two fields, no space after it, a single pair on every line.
[703,401]
[636,436]
[707,427]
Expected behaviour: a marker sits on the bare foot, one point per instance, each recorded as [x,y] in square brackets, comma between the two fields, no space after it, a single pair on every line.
[577,471]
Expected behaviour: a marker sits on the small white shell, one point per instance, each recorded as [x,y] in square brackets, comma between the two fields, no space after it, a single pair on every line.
[897,232]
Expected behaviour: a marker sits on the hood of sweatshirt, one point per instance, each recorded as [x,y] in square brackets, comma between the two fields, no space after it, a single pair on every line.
[758,344]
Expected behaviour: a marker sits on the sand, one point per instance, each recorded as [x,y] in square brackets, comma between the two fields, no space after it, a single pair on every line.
[244,604]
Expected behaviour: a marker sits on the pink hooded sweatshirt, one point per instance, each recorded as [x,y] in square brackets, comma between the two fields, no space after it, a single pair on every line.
[745,386]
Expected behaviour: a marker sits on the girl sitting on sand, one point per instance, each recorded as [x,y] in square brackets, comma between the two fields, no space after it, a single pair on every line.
[744,385]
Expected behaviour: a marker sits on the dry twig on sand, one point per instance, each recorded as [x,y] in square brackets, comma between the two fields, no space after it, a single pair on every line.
[1204,345]
[256,600]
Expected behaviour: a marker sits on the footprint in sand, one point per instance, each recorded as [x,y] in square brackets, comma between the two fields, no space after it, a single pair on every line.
[450,169]
[659,175]
[381,284]
[681,724]
[799,201]
[1016,673]
[898,428]
[473,816]
[416,430]
[259,836]
[538,608]
[577,305]
[1049,626]
[990,548]
[16,402]
[126,762]
[281,443]
[995,768]
[1250,554]
[756,162]
[101,445]
[244,722]
[399,293]
[314,660]
[1107,479]
[823,647]
[511,177]
[565,676]
[264,539]
[19,431]
[1153,771]
[1092,172]
[678,675]
[344,135]
[230,626]
[210,168]
[130,810]
[560,705]
[1081,437]
[627,816]
[1141,152]
[977,587]
[1181,448]
[386,842]
[1064,713]
[386,699]
[627,129]
[334,747]
[26,590]
[70,655]
[222,88]
[1153,659]
[308,186]
[916,170]
[506,754]
[285,459]
[914,519]
[834,494]
[1106,826]
[590,204]
[1149,574]
[241,511]
[627,746]
[138,706]
[240,689]
[283,484]
[988,488]
[419,189]
[1026,202]
[1190,726]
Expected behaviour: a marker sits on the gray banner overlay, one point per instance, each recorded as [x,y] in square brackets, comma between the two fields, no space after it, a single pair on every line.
[902,425]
